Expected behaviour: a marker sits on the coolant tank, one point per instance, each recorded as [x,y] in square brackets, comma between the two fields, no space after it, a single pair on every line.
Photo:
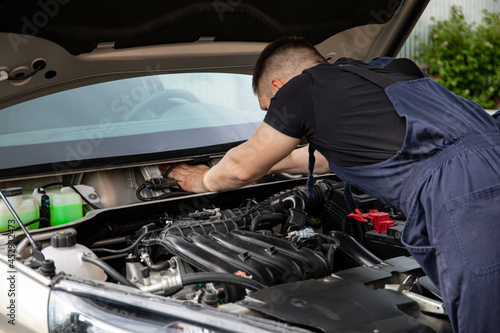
[25,207]
[64,206]
[67,256]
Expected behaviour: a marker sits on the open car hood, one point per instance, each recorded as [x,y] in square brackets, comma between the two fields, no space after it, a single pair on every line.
[85,42]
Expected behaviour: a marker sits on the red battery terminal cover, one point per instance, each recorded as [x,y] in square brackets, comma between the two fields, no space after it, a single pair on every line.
[380,220]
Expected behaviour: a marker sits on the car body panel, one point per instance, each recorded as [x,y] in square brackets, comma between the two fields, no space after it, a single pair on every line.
[30,296]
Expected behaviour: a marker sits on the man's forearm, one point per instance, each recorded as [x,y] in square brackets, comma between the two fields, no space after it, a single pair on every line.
[240,166]
[298,162]
[288,165]
[228,173]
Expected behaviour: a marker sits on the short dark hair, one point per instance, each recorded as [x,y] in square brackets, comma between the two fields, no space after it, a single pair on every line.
[282,47]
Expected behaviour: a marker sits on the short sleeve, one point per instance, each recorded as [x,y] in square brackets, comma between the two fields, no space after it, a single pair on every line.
[291,108]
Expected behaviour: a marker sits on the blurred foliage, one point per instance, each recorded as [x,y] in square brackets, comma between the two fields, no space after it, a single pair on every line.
[465,57]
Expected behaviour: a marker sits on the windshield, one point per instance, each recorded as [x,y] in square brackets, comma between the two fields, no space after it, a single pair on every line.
[143,115]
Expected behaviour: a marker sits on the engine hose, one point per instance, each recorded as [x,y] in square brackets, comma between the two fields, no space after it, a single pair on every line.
[355,251]
[296,201]
[330,249]
[310,204]
[128,248]
[108,269]
[243,217]
[330,256]
[265,218]
[158,267]
[224,278]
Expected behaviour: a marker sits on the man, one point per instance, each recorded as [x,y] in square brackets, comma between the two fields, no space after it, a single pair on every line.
[388,130]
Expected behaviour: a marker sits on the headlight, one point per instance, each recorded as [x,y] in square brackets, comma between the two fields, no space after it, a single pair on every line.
[75,313]
[83,306]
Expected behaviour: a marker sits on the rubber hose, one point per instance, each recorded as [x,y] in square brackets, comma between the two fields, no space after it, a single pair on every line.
[225,278]
[311,204]
[158,267]
[296,201]
[355,250]
[108,269]
[124,250]
[265,217]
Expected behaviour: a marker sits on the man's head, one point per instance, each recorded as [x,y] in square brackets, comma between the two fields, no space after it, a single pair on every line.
[280,61]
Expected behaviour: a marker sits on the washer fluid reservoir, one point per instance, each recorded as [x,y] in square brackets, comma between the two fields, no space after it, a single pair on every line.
[26,208]
[67,256]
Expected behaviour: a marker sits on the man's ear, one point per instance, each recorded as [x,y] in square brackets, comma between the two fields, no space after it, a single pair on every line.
[277,84]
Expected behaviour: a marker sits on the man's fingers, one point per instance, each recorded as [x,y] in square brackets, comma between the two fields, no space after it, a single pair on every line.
[179,170]
[190,177]
[167,170]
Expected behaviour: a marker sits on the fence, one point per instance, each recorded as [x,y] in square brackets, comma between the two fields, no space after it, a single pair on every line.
[440,10]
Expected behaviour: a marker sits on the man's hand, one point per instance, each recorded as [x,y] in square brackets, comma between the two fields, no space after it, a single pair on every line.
[189,177]
[240,166]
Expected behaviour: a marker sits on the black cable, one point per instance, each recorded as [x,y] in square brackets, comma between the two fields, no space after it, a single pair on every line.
[74,189]
[39,66]
[139,195]
[41,219]
[128,248]
[163,196]
[108,269]
[170,168]
[224,278]
[249,210]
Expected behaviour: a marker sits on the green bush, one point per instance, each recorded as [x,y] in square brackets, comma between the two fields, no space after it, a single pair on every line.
[464,57]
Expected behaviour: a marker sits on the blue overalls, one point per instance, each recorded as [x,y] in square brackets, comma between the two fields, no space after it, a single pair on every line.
[446,180]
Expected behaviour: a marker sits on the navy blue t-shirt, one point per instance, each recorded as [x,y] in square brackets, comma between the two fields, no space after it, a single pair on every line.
[347,118]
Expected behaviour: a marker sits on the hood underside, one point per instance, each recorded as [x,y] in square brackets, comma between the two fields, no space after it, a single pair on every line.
[86,42]
[79,26]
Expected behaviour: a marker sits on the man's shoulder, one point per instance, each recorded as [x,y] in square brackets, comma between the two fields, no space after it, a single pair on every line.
[327,73]
[336,66]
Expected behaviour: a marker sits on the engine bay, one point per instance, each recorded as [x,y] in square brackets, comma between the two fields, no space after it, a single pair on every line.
[265,250]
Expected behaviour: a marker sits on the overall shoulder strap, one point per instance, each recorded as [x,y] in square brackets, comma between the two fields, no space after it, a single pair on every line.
[378,79]
[406,66]
[402,65]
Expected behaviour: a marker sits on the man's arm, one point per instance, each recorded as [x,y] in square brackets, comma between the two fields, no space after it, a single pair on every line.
[241,165]
[298,162]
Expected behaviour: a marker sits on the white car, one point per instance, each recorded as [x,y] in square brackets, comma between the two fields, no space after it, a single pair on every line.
[94,95]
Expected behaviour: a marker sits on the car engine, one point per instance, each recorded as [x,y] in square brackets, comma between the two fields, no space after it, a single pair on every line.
[266,250]
[272,242]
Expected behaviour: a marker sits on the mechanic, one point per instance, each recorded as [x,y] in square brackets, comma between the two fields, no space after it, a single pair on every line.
[390,131]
